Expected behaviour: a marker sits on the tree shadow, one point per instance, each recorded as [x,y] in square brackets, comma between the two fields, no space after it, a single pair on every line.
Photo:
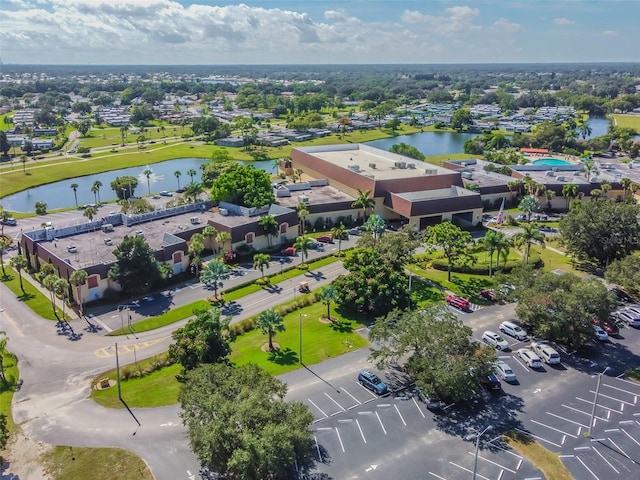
[594,357]
[315,275]
[471,286]
[5,475]
[26,297]
[341,326]
[284,356]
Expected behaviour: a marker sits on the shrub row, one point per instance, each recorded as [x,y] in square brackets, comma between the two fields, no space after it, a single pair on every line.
[483,268]
[132,371]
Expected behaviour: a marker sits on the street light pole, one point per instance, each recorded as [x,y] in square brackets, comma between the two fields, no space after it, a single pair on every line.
[475,462]
[300,333]
[595,402]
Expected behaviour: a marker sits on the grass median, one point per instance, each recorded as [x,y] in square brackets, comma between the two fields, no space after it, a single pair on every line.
[32,297]
[546,461]
[320,340]
[10,363]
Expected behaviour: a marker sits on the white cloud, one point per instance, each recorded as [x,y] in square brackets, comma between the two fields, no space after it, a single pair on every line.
[507,25]
[455,20]
[563,21]
[610,33]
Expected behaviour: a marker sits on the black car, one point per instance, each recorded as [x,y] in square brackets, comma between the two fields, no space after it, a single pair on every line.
[621,296]
[491,383]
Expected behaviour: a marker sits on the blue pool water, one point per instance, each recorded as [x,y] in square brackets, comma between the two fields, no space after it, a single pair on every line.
[551,161]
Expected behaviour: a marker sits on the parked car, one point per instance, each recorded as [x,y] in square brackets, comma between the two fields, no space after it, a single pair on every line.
[354,231]
[546,352]
[288,252]
[491,383]
[12,222]
[530,358]
[609,326]
[370,380]
[629,317]
[600,334]
[621,296]
[513,330]
[522,217]
[458,302]
[488,295]
[328,238]
[432,402]
[165,193]
[503,371]
[495,340]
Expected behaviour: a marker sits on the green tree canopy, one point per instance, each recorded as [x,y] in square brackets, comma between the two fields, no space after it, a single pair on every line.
[245,186]
[561,307]
[270,322]
[442,357]
[204,339]
[454,242]
[238,423]
[626,273]
[407,151]
[529,204]
[124,186]
[601,230]
[136,269]
[213,274]
[461,118]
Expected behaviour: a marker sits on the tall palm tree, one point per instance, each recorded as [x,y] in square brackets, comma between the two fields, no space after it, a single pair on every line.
[270,226]
[339,232]
[19,263]
[61,288]
[123,133]
[77,279]
[193,191]
[4,243]
[589,166]
[97,184]
[530,234]
[192,173]
[196,246]
[569,191]
[222,238]
[208,233]
[364,201]
[147,173]
[328,295]
[605,187]
[303,244]
[49,283]
[4,216]
[90,212]
[503,246]
[626,182]
[3,351]
[270,322]
[260,261]
[490,242]
[303,213]
[74,187]
[213,274]
[177,174]
[94,190]
[549,194]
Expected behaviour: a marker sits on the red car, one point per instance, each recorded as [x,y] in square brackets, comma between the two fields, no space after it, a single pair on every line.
[458,302]
[488,295]
[609,327]
[328,238]
[288,252]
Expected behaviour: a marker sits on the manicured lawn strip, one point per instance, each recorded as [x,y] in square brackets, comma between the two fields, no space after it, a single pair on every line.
[6,389]
[72,463]
[186,311]
[546,461]
[465,284]
[34,299]
[319,342]
[554,261]
[633,374]
[627,121]
[438,159]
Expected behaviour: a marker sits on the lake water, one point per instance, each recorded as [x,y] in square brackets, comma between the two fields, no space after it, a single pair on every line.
[429,143]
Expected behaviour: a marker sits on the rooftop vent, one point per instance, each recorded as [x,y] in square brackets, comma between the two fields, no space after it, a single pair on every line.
[467,175]
[411,166]
[561,178]
[430,171]
[354,168]
[224,212]
[549,173]
[372,165]
[304,199]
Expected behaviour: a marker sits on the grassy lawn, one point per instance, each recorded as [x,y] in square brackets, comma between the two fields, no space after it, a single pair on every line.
[543,459]
[438,159]
[554,261]
[6,389]
[110,136]
[633,374]
[626,121]
[33,298]
[71,463]
[320,341]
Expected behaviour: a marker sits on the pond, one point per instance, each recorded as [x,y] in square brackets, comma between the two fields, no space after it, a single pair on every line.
[429,143]
[60,195]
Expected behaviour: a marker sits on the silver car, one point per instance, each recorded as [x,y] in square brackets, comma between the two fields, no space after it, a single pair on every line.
[503,371]
[495,340]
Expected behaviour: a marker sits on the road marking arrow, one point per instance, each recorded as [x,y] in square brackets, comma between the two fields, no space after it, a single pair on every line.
[372,467]
[537,390]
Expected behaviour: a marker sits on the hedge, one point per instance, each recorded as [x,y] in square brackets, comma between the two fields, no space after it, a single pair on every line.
[483,268]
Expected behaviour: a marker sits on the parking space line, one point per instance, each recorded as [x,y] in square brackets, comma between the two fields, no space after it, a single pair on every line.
[619,449]
[539,438]
[577,410]
[590,402]
[380,420]
[607,461]
[553,428]
[354,398]
[318,449]
[567,420]
[467,470]
[628,435]
[491,461]
[331,398]
[340,439]
[319,409]
[437,476]
[521,364]
[361,433]
[418,407]
[608,430]
[610,398]
[626,381]
[588,469]
[400,415]
[507,451]
[373,397]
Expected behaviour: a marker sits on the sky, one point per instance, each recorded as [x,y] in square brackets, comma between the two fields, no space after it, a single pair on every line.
[209,32]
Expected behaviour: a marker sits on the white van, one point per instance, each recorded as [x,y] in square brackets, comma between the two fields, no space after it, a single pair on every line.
[513,330]
[546,352]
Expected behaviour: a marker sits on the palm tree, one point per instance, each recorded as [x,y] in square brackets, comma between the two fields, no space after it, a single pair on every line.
[90,212]
[23,159]
[270,322]
[589,166]
[328,295]
[260,261]
[196,246]
[303,213]
[123,133]
[490,242]
[529,235]
[94,190]
[97,184]
[208,233]
[585,130]
[3,351]
[193,191]
[549,194]
[4,216]
[364,201]
[4,243]
[339,233]
[147,173]
[569,191]
[61,288]
[626,185]
[213,274]
[74,187]
[303,244]
[192,173]
[375,224]
[605,187]
[177,174]
[270,226]
[19,263]
[503,246]
[49,283]
[222,238]
[77,279]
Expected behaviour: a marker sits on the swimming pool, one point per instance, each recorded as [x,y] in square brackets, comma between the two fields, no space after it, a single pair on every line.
[551,161]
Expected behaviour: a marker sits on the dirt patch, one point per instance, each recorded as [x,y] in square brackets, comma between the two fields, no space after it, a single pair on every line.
[23,456]
[328,320]
[265,347]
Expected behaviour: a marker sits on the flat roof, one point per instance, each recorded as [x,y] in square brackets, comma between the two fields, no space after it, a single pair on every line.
[373,162]
[316,195]
[437,194]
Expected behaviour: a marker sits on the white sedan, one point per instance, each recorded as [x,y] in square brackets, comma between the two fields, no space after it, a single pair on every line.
[503,370]
[530,358]
[495,340]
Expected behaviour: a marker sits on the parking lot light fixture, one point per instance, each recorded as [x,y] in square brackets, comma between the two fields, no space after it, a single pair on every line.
[595,402]
[300,329]
[475,462]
